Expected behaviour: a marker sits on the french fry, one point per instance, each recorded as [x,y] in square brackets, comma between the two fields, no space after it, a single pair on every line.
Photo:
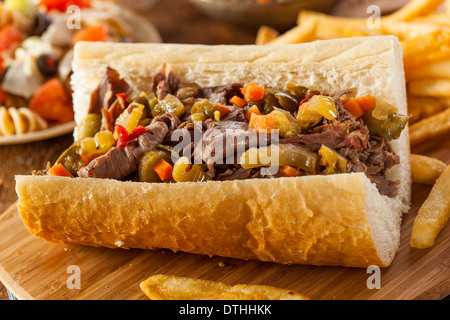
[329,27]
[445,102]
[407,30]
[447,7]
[303,33]
[168,287]
[415,112]
[429,127]
[426,107]
[426,170]
[412,61]
[438,87]
[419,49]
[433,214]
[414,9]
[438,69]
[266,34]
[441,19]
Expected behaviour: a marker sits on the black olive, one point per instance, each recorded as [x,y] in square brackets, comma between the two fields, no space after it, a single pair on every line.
[41,23]
[287,101]
[270,102]
[47,64]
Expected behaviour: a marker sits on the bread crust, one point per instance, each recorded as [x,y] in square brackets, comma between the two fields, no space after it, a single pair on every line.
[318,220]
[285,220]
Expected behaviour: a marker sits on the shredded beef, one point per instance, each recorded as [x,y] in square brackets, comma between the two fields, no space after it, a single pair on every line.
[215,144]
[238,174]
[350,137]
[221,94]
[105,94]
[164,84]
[170,119]
[237,114]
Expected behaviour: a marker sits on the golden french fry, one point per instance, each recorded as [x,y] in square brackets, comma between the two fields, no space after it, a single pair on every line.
[266,34]
[418,50]
[330,27]
[426,170]
[298,34]
[447,7]
[438,87]
[415,113]
[437,69]
[168,287]
[414,9]
[407,30]
[441,19]
[416,60]
[445,102]
[433,214]
[429,127]
[427,106]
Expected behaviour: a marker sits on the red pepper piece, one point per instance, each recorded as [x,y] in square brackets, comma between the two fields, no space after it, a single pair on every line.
[125,137]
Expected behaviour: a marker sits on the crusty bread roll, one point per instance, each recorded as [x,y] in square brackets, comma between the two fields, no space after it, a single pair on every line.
[320,220]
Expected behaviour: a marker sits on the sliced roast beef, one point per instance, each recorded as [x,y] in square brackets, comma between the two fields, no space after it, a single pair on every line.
[119,162]
[237,114]
[334,135]
[163,85]
[385,187]
[106,92]
[221,94]
[225,141]
[237,174]
[170,119]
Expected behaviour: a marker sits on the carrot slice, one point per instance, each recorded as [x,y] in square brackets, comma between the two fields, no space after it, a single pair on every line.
[59,170]
[367,103]
[289,171]
[354,108]
[163,169]
[251,110]
[238,101]
[223,110]
[253,92]
[262,122]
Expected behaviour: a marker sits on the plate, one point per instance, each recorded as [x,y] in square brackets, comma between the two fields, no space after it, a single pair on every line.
[50,132]
[280,15]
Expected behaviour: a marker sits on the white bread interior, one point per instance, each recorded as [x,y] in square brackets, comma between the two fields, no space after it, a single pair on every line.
[319,220]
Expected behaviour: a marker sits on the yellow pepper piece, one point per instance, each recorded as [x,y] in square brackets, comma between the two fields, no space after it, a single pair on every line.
[334,162]
[316,108]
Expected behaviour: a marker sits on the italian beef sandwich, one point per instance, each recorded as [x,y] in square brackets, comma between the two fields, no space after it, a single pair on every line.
[295,154]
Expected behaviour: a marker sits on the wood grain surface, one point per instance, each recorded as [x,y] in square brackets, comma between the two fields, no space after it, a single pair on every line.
[115,274]
[36,269]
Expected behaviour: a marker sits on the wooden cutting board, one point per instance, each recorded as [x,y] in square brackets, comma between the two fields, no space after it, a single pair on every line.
[36,269]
